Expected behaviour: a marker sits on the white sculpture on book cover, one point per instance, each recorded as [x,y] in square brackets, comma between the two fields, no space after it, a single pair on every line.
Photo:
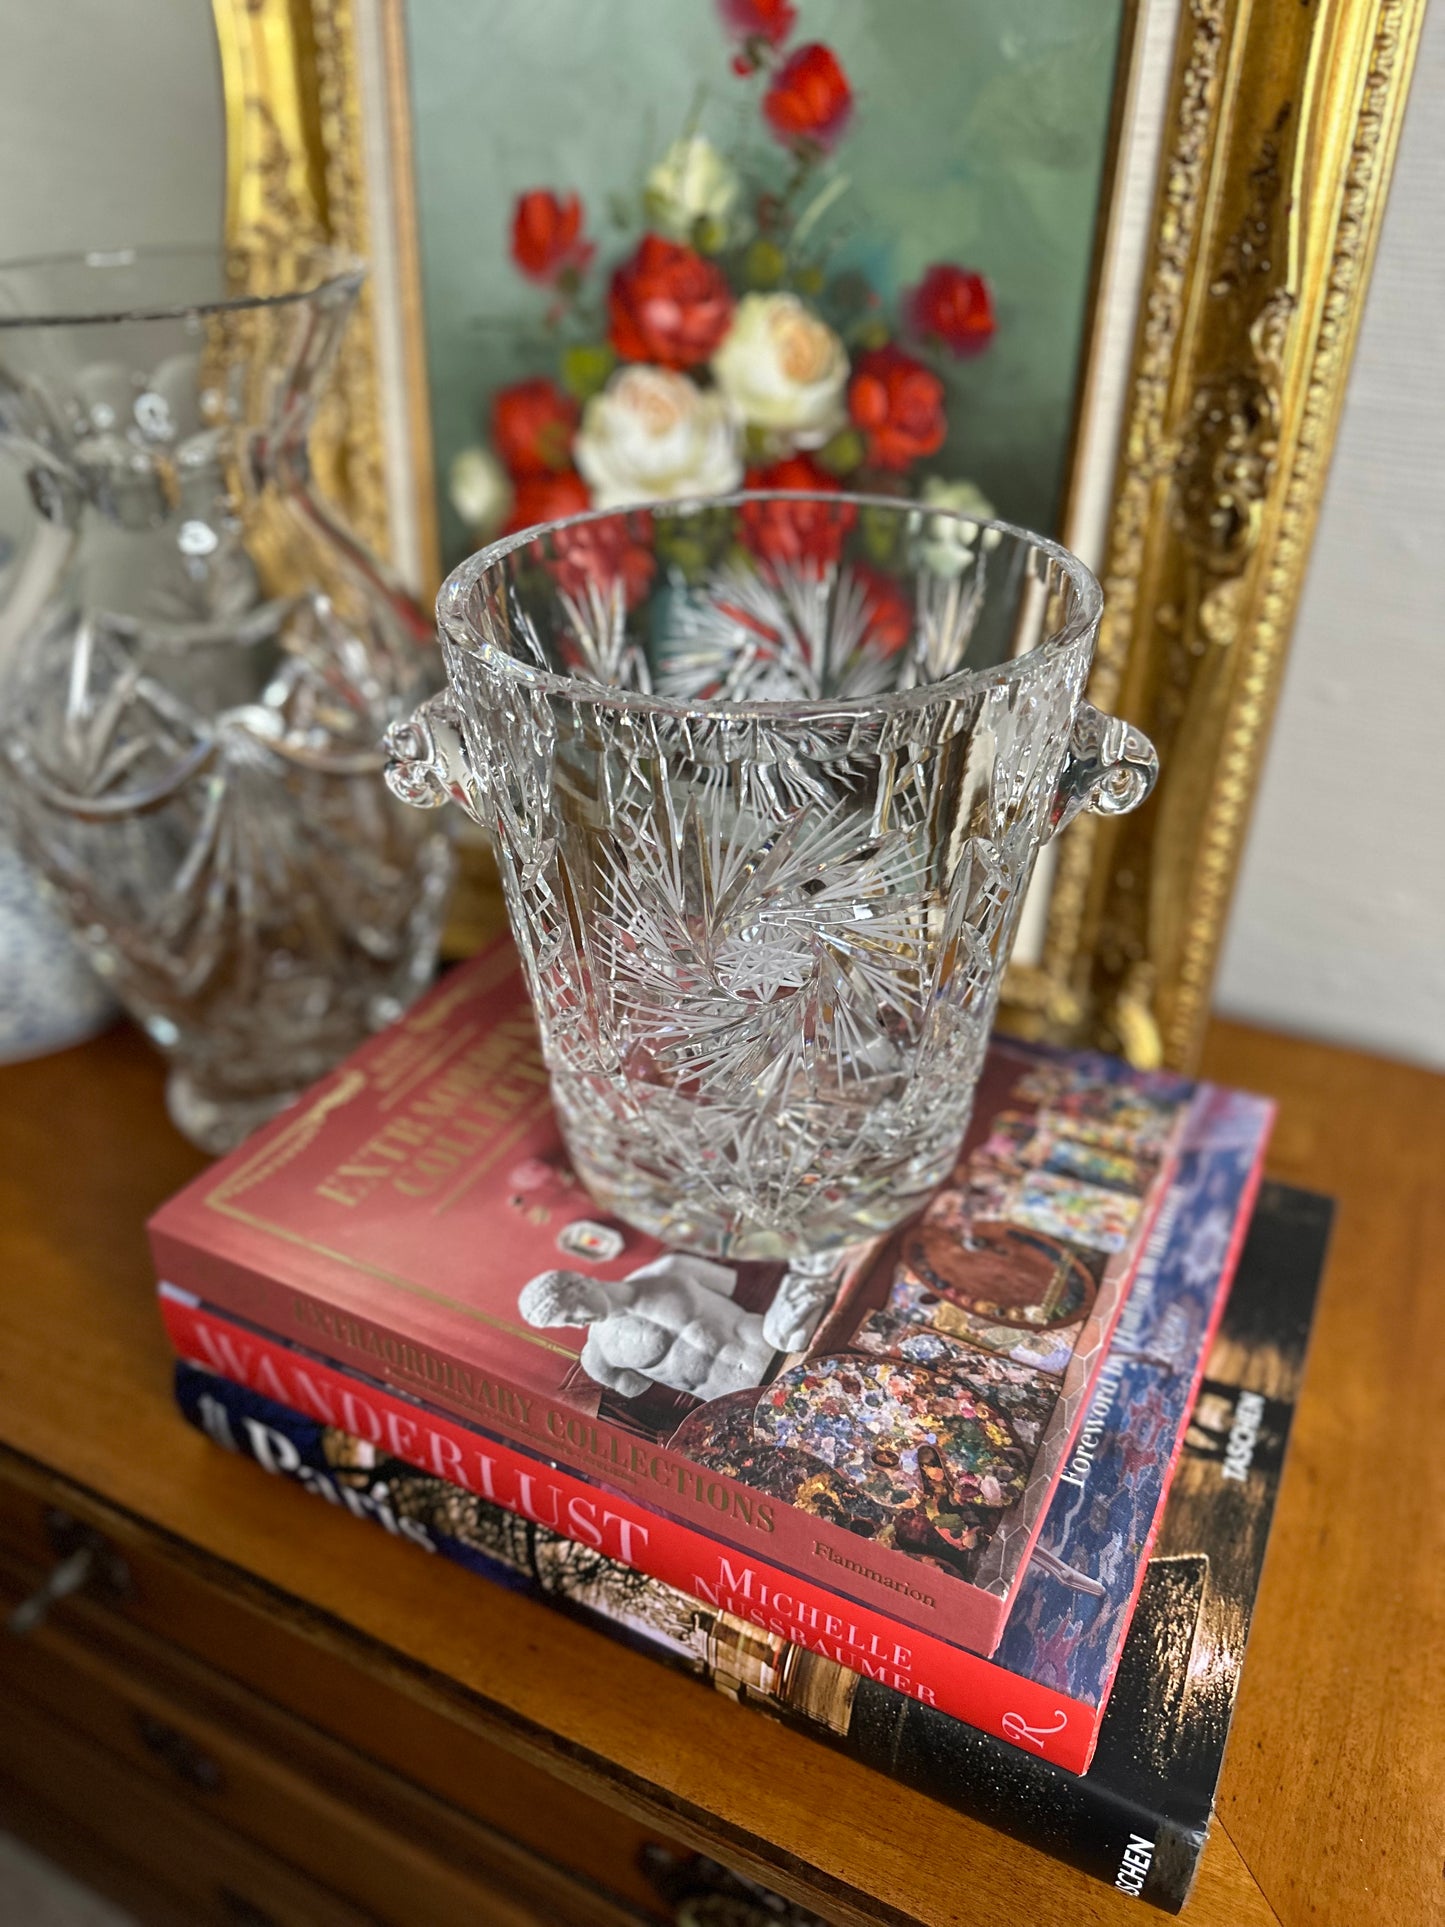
[675,1323]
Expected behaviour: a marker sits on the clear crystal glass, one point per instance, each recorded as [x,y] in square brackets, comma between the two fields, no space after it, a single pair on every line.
[196,669]
[766,778]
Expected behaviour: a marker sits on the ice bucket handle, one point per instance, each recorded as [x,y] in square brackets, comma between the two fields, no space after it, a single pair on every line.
[427,760]
[1110,768]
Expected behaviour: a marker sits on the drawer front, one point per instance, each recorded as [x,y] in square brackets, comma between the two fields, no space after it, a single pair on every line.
[178,1670]
[119,1877]
[194,1860]
[217,1750]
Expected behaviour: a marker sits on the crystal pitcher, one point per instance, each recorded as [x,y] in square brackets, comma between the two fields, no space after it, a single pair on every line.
[766,779]
[197,666]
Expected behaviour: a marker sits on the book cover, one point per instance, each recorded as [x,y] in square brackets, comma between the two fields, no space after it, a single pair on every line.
[891,1424]
[1053,1670]
[1139,1817]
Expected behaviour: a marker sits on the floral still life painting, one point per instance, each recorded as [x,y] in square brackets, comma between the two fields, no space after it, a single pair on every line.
[731,315]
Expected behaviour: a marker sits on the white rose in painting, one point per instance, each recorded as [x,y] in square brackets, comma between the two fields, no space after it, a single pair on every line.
[691,183]
[945,546]
[652,434]
[480,490]
[783,369]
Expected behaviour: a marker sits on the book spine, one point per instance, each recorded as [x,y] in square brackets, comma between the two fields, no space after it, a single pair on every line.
[1088,1826]
[916,1665]
[1244,1212]
[861,1571]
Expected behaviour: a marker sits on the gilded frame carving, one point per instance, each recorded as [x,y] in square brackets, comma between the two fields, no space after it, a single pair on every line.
[1281,133]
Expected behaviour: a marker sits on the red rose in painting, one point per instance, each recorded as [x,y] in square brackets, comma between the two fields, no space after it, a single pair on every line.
[668,305]
[614,549]
[897,403]
[809,101]
[796,532]
[546,498]
[547,234]
[533,423]
[889,608]
[954,306]
[767,20]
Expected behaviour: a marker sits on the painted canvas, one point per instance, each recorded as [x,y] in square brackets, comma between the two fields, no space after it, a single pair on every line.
[807,237]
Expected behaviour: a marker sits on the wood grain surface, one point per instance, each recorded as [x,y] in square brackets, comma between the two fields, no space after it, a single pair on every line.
[1334,1786]
[1331,1808]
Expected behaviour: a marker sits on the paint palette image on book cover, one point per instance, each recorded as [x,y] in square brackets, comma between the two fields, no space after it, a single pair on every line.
[929,1412]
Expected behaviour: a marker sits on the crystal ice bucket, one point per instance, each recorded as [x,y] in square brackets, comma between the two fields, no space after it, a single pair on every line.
[766,779]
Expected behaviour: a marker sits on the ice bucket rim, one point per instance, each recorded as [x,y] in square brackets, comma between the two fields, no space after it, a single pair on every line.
[458,628]
[332,269]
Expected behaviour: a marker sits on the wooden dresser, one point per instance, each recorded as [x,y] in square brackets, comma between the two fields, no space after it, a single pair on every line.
[253,1710]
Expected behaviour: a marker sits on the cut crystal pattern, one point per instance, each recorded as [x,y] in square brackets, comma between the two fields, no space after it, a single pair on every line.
[785,637]
[197,669]
[764,832]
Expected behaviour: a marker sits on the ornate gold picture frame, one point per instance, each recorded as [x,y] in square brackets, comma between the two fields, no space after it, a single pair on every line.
[1241,284]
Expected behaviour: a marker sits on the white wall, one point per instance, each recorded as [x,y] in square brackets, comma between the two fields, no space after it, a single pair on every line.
[111,135]
[110,124]
[1338,928]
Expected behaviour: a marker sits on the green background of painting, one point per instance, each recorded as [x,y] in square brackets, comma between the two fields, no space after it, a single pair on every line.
[979,137]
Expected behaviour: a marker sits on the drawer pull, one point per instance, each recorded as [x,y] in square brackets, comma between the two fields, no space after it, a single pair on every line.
[64,1578]
[704,1894]
[241,1912]
[85,1558]
[179,1752]
[724,1910]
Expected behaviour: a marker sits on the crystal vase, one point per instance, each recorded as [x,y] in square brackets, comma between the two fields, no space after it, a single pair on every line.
[197,666]
[767,778]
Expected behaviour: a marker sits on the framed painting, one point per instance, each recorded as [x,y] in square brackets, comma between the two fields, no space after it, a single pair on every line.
[1158,217]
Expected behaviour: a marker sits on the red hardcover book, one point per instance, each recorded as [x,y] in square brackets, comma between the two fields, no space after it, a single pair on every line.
[901,1457]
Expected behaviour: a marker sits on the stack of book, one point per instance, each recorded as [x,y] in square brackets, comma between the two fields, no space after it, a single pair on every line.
[984,1504]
